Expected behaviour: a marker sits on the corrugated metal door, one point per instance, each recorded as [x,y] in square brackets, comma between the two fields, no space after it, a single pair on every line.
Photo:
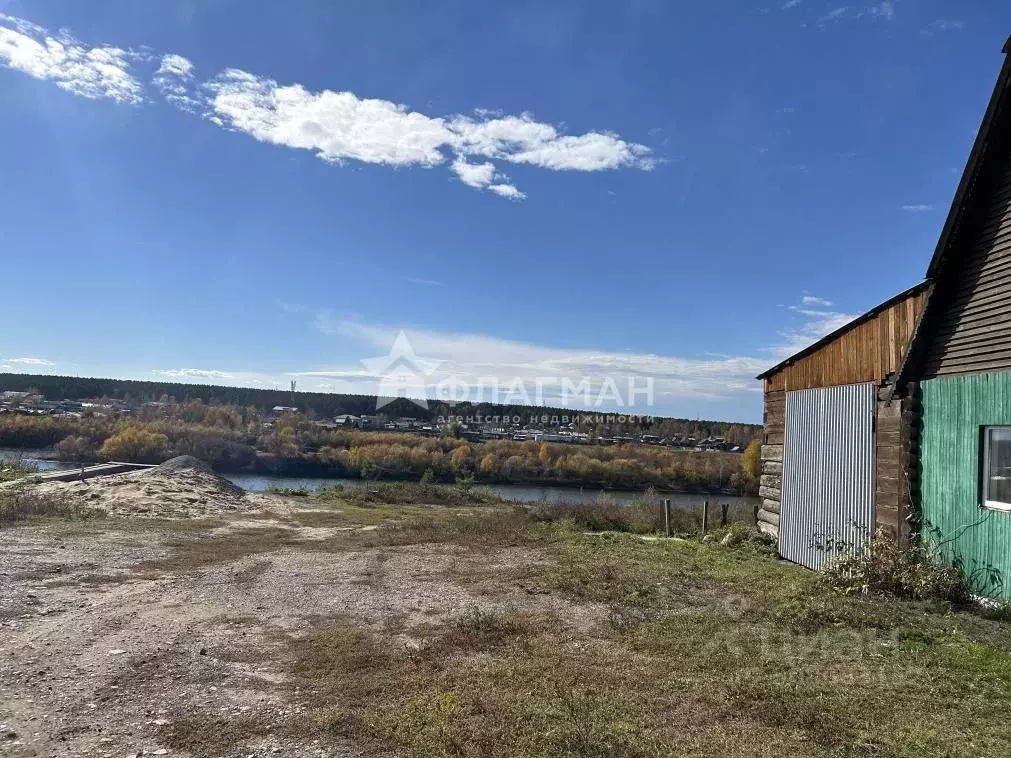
[828,473]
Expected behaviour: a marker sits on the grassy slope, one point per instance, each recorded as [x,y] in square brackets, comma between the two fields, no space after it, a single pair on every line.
[697,649]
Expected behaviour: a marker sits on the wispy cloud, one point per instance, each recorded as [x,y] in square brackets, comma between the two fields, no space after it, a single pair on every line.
[193,373]
[940,26]
[882,11]
[92,72]
[920,208]
[791,4]
[337,126]
[813,324]
[422,280]
[471,358]
[174,78]
[832,16]
[812,300]
[29,361]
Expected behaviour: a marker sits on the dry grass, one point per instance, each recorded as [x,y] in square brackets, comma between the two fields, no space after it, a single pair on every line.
[700,649]
[707,650]
[189,553]
[20,502]
[206,736]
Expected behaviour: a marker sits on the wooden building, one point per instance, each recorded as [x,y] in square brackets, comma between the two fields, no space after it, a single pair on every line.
[931,369]
[959,369]
[833,456]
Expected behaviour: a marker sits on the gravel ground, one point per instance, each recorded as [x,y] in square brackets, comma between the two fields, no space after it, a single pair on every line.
[101,650]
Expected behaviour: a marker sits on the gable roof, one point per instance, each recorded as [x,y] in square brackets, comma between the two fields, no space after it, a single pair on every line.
[980,150]
[967,186]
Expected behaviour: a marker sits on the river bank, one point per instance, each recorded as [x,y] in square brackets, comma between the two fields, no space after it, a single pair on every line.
[271,474]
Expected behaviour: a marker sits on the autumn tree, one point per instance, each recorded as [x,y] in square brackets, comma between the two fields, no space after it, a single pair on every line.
[135,445]
[751,462]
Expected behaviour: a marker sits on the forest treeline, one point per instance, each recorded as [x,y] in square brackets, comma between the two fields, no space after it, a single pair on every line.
[323,405]
[237,439]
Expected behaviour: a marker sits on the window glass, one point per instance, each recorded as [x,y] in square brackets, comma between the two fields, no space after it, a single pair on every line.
[998,466]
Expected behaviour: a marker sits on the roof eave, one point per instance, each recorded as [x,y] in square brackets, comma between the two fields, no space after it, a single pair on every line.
[814,346]
[971,166]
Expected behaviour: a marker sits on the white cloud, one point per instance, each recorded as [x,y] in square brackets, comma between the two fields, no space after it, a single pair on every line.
[193,373]
[474,174]
[917,208]
[174,78]
[811,300]
[791,4]
[940,26]
[30,361]
[507,190]
[339,126]
[336,125]
[470,358]
[521,139]
[484,176]
[92,72]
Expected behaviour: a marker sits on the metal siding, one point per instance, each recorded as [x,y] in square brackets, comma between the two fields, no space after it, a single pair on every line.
[953,410]
[828,472]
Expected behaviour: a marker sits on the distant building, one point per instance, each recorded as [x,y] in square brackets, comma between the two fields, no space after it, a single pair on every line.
[283,410]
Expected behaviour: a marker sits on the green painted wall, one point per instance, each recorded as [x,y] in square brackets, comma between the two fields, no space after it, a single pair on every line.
[954,409]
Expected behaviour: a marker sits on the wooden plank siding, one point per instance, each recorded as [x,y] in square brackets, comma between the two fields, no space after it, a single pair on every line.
[870,350]
[969,319]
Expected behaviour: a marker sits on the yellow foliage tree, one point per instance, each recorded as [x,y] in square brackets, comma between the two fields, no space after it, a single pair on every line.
[135,445]
[752,459]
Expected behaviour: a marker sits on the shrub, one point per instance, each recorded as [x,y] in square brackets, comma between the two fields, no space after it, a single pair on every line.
[19,502]
[136,445]
[886,568]
[11,470]
[76,448]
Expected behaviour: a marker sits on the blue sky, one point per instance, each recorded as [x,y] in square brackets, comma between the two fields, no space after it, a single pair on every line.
[243,193]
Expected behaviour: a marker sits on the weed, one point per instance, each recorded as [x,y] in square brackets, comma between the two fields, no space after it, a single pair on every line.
[884,567]
[19,502]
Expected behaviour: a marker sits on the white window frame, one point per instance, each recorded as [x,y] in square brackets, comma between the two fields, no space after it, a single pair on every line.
[985,501]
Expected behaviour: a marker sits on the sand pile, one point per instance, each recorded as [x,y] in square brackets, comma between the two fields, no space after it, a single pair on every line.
[182,487]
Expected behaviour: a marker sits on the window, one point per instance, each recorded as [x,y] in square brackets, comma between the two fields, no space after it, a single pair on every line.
[997,467]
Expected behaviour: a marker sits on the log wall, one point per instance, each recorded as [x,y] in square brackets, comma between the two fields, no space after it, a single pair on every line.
[771,484]
[895,442]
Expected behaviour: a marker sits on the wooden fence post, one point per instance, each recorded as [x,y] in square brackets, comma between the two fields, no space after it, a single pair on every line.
[666,516]
[724,508]
[705,516]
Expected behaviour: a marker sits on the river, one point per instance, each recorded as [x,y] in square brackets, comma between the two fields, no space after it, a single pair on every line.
[517,493]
